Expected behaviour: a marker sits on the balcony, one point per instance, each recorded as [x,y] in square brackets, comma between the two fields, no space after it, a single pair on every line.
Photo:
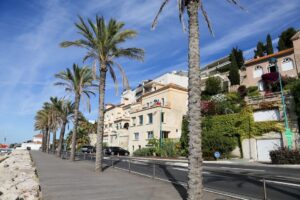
[154,105]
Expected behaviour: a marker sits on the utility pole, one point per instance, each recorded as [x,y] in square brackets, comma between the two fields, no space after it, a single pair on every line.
[288,133]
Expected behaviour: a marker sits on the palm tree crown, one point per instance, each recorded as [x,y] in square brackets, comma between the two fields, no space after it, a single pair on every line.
[102,42]
[80,82]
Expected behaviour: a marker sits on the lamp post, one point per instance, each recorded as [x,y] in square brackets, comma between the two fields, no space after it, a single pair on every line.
[160,127]
[288,133]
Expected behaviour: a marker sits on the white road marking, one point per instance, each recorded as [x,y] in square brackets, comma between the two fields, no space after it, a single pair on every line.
[180,168]
[283,183]
[255,170]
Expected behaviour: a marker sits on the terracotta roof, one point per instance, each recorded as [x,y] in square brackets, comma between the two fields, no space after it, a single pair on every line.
[38,135]
[280,53]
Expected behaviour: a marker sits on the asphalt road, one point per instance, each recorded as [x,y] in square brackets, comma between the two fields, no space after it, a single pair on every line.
[247,181]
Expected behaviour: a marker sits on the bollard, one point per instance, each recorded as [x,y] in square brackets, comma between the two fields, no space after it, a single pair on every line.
[265,189]
[129,165]
[153,175]
[112,163]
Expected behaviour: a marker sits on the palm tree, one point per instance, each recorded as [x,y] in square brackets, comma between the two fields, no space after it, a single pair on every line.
[46,120]
[41,123]
[79,81]
[66,111]
[195,186]
[102,41]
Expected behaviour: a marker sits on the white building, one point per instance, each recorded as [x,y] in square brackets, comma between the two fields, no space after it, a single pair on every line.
[139,116]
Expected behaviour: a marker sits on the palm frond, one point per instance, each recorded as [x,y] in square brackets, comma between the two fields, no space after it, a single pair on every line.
[155,21]
[133,53]
[236,3]
[114,78]
[125,81]
[181,9]
[206,18]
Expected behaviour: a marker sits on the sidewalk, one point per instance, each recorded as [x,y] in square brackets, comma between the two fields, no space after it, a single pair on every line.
[64,180]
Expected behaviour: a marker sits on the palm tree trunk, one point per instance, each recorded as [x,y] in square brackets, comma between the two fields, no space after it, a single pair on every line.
[195,186]
[76,111]
[100,124]
[48,142]
[44,140]
[61,139]
[53,142]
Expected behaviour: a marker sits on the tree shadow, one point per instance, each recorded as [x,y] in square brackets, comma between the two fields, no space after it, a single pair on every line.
[182,191]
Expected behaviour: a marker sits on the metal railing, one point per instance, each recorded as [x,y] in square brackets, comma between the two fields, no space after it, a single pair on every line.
[158,169]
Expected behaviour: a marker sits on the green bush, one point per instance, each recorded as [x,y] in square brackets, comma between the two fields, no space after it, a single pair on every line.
[252,89]
[213,86]
[285,156]
[212,142]
[144,152]
[170,149]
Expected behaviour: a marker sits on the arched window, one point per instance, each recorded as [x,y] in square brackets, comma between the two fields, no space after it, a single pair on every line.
[287,64]
[258,71]
[126,125]
[272,68]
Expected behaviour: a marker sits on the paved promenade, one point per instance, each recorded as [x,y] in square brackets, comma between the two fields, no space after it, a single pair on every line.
[64,180]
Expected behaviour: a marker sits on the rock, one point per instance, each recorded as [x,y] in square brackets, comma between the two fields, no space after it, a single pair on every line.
[18,178]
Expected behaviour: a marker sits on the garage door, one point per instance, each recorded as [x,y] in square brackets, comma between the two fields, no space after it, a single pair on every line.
[265,146]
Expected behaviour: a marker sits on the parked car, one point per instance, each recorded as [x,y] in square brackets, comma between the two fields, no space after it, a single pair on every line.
[115,151]
[88,149]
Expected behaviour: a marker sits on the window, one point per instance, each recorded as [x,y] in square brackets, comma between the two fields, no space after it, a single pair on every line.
[126,126]
[150,135]
[132,147]
[133,121]
[117,126]
[258,71]
[272,68]
[287,64]
[162,117]
[150,118]
[136,136]
[162,101]
[141,120]
[140,147]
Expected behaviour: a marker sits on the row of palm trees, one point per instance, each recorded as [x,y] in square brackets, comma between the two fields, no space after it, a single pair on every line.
[102,42]
[53,115]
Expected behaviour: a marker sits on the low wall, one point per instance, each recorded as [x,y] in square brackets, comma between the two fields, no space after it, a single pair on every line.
[18,177]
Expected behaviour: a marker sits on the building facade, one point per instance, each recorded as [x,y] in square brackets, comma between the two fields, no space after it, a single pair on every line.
[288,62]
[154,109]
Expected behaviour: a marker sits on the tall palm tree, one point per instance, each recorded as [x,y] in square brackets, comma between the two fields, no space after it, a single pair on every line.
[102,41]
[66,112]
[56,120]
[78,81]
[46,120]
[195,186]
[41,123]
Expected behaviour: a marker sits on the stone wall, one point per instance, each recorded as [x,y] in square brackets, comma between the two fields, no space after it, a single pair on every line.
[18,177]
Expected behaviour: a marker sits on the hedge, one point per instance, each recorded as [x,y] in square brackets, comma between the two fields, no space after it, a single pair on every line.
[285,156]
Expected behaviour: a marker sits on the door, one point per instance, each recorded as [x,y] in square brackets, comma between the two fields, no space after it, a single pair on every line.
[265,146]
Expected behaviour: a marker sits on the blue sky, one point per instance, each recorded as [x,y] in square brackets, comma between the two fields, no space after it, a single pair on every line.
[31,31]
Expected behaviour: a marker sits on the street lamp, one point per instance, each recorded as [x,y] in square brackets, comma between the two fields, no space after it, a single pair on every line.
[288,133]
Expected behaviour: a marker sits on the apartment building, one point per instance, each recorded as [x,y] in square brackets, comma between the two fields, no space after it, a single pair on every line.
[153,109]
[157,114]
[217,69]
[288,62]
